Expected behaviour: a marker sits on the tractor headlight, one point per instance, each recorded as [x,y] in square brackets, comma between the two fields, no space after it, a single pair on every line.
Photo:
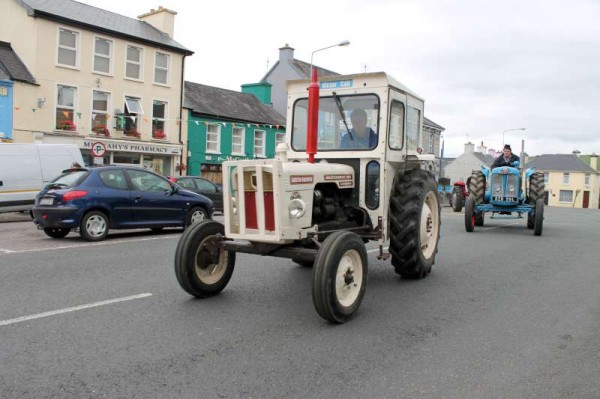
[497,188]
[297,208]
[511,188]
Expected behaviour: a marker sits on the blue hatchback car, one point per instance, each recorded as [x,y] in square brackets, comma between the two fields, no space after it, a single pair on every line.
[97,199]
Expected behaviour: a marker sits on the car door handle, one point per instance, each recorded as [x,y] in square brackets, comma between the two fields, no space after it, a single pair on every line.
[138,199]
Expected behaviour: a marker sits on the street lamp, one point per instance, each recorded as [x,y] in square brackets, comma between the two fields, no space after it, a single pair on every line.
[313,106]
[340,44]
[510,130]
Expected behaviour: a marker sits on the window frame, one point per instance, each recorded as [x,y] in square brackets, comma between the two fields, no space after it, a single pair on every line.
[546,177]
[262,154]
[128,113]
[167,69]
[95,111]
[76,49]
[65,107]
[163,119]
[560,196]
[109,56]
[566,178]
[140,63]
[218,136]
[401,125]
[587,178]
[234,130]
[278,140]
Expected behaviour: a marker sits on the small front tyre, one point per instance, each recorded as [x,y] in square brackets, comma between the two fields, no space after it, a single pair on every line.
[202,267]
[469,216]
[56,232]
[339,276]
[539,217]
[94,226]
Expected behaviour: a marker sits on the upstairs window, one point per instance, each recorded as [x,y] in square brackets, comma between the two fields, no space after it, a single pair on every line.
[133,63]
[102,55]
[259,143]
[546,177]
[587,179]
[65,108]
[279,138]
[237,141]
[159,110]
[565,178]
[161,68]
[100,113]
[68,44]
[213,138]
[133,110]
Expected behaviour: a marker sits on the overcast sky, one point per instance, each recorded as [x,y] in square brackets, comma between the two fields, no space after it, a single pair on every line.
[482,66]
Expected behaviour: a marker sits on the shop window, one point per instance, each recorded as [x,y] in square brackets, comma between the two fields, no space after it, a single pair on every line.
[68,44]
[133,63]
[65,108]
[161,68]
[158,119]
[213,136]
[237,141]
[102,55]
[125,158]
[100,113]
[259,143]
[133,111]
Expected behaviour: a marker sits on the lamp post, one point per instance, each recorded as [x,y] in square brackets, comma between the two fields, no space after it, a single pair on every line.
[509,130]
[313,106]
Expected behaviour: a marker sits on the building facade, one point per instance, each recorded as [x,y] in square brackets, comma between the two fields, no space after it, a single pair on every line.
[99,78]
[461,167]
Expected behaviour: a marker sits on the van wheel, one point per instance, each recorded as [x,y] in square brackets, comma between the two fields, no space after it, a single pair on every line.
[56,233]
[94,226]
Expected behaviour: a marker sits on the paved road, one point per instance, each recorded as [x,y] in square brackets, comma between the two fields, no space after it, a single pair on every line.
[504,314]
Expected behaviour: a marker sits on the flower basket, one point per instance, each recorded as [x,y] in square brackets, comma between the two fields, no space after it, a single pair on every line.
[180,167]
[66,125]
[159,134]
[133,133]
[101,131]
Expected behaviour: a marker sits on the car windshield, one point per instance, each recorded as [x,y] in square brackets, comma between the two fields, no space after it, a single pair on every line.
[345,122]
[68,179]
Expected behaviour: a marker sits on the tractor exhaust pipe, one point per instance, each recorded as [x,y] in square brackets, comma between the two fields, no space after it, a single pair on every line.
[313,117]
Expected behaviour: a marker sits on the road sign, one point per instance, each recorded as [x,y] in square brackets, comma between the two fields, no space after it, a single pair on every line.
[98,149]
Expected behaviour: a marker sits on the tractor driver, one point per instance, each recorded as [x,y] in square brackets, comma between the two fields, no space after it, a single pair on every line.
[360,136]
[506,159]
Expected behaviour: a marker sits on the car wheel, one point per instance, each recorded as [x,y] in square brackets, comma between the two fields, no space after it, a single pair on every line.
[56,233]
[196,215]
[94,226]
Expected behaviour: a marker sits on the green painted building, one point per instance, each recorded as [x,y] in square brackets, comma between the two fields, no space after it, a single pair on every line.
[225,124]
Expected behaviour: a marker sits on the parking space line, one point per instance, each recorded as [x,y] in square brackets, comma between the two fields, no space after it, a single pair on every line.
[6,251]
[73,309]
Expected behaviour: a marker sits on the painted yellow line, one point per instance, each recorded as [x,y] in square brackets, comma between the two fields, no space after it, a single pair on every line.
[32,190]
[73,309]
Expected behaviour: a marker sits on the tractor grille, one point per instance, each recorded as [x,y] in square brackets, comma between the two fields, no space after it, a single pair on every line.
[505,188]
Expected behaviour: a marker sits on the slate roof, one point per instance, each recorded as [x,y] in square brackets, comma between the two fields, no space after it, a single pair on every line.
[303,68]
[12,66]
[560,162]
[485,158]
[93,18]
[429,122]
[229,104]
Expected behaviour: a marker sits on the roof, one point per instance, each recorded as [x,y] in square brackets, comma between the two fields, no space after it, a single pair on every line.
[229,104]
[560,162]
[303,69]
[429,122]
[485,158]
[86,16]
[12,66]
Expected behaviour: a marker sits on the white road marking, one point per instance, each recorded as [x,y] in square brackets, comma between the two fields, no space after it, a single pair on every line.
[6,251]
[73,309]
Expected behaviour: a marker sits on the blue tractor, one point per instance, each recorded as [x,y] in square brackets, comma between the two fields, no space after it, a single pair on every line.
[500,191]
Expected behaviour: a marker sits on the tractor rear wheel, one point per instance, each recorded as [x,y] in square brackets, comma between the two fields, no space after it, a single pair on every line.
[202,268]
[539,217]
[469,218]
[414,224]
[457,199]
[340,276]
[536,187]
[477,187]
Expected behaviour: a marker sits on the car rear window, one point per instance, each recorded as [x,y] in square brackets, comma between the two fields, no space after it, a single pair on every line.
[69,179]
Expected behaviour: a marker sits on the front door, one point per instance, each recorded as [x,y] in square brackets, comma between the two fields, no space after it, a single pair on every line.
[586,199]
[151,202]
[6,110]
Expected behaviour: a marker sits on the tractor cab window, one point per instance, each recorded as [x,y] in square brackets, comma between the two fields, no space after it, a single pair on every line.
[345,123]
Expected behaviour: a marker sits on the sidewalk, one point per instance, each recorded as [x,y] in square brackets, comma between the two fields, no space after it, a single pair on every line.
[9,217]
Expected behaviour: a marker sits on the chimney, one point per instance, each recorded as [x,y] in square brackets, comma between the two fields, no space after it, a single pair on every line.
[576,152]
[162,19]
[469,148]
[482,149]
[286,53]
[594,161]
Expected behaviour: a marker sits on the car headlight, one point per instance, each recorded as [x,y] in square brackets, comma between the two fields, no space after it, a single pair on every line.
[297,208]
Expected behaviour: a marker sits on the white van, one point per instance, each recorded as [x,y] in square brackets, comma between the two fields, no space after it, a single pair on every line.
[26,168]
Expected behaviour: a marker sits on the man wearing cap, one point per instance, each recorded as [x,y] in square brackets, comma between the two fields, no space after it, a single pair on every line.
[506,159]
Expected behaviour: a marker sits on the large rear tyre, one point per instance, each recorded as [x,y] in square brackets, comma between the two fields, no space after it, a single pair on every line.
[457,199]
[539,217]
[469,216]
[477,187]
[202,267]
[56,232]
[339,276]
[414,224]
[536,187]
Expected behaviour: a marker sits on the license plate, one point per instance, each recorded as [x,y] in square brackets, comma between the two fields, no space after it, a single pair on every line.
[46,201]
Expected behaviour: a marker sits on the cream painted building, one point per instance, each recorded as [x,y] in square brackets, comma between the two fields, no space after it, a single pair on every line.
[99,78]
[570,182]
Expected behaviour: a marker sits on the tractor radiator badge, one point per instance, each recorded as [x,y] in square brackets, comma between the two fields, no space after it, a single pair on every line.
[301,179]
[342,180]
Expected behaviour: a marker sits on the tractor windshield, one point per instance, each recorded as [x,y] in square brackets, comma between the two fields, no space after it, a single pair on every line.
[345,123]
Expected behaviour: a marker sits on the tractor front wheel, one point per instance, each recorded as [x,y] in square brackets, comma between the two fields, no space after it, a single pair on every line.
[539,217]
[339,276]
[414,224]
[536,187]
[477,187]
[457,199]
[469,216]
[202,267]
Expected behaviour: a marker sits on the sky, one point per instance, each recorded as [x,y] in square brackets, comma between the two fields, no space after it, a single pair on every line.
[483,67]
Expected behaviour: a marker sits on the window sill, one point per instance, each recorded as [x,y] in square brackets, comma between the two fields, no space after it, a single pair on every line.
[133,79]
[107,74]
[76,67]
[167,85]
